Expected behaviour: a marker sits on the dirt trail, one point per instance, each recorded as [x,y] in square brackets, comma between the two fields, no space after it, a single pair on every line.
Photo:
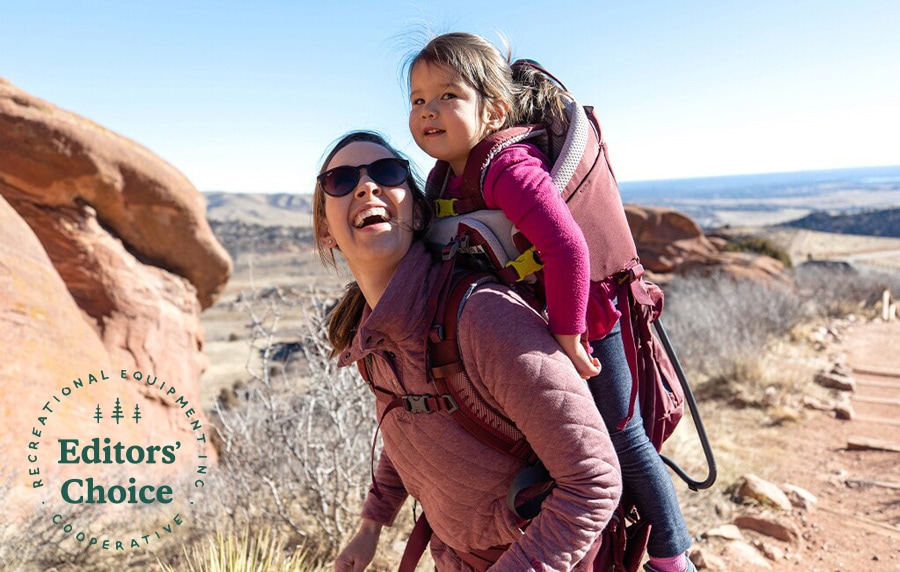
[855,525]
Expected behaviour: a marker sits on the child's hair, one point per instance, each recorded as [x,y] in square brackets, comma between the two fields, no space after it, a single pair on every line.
[348,311]
[539,98]
[529,95]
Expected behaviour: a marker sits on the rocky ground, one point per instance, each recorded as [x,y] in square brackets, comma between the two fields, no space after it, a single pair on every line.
[854,522]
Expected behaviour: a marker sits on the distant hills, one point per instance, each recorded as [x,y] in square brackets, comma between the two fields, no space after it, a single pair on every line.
[260,222]
[771,198]
[863,201]
[267,209]
[884,223]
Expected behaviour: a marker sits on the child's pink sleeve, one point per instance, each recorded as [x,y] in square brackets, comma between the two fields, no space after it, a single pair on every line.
[518,183]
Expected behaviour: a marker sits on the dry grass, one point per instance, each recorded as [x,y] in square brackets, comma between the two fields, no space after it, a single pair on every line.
[260,551]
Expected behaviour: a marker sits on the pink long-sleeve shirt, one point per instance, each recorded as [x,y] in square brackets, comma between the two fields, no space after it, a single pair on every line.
[518,183]
[461,483]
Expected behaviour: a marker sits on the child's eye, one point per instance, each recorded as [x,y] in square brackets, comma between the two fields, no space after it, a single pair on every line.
[448,95]
[418,101]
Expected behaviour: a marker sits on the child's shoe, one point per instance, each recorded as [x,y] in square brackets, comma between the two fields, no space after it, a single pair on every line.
[690,566]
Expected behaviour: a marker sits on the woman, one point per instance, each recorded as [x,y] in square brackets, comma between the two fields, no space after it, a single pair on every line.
[368,207]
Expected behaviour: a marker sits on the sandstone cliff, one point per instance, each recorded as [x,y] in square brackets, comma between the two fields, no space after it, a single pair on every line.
[106,261]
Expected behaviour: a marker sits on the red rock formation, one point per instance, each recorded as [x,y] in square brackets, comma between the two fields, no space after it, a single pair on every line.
[106,260]
[667,238]
[671,242]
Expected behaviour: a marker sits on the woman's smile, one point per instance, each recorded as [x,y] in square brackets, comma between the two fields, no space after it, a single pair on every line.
[372,215]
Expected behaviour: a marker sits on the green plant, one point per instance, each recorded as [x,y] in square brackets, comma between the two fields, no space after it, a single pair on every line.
[758,245]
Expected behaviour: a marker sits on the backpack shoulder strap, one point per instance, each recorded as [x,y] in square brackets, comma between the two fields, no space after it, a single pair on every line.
[448,372]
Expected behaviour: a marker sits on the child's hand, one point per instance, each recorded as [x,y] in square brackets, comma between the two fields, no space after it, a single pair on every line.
[587,365]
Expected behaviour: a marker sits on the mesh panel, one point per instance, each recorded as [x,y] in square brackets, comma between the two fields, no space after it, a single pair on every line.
[469,399]
[573,147]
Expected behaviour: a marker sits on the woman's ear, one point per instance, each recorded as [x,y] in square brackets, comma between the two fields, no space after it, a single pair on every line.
[325,236]
[419,221]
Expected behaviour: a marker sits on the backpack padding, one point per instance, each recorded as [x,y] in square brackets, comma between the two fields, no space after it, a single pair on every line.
[448,373]
[492,224]
[572,149]
[596,206]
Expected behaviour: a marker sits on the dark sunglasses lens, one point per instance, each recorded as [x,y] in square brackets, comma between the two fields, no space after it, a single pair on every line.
[388,171]
[340,181]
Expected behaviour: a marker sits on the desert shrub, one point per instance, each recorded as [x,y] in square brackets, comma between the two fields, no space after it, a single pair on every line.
[758,245]
[37,544]
[835,291]
[295,442]
[264,551]
[720,326]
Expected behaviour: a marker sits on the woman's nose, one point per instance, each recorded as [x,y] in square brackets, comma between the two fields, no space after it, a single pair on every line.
[366,186]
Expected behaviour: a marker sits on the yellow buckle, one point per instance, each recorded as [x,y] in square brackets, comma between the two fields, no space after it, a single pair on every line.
[444,208]
[526,264]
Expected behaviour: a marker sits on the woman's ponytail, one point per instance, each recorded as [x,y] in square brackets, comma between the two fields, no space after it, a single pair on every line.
[344,319]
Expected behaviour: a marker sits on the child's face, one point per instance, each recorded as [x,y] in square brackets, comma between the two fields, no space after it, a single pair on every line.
[447,117]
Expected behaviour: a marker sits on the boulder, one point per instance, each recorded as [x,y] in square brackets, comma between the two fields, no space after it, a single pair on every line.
[51,159]
[666,238]
[106,261]
[755,489]
[669,241]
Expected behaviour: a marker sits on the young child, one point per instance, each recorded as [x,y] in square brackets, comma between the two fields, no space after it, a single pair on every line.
[463,89]
[448,117]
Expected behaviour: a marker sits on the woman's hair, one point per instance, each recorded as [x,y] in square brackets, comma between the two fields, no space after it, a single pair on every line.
[530,96]
[348,311]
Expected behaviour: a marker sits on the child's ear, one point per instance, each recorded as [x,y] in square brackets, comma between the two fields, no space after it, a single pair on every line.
[496,112]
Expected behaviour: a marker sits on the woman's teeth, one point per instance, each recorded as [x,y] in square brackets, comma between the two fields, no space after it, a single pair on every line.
[371,215]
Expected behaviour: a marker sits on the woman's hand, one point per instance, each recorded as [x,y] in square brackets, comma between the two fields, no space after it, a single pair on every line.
[360,551]
[586,365]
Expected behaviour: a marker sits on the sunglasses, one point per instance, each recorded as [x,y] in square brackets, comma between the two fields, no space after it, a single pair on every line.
[388,172]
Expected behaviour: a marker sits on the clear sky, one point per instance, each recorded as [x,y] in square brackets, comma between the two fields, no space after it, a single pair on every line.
[246,96]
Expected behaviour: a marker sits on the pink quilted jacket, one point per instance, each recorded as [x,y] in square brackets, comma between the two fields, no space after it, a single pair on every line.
[461,483]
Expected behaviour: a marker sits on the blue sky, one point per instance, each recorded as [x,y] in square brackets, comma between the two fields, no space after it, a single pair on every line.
[245,96]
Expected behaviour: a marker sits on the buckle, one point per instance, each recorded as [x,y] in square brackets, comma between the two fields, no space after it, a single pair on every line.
[526,264]
[445,207]
[421,403]
[416,403]
[450,404]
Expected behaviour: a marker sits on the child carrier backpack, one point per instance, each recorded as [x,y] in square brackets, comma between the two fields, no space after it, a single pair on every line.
[484,240]
[623,542]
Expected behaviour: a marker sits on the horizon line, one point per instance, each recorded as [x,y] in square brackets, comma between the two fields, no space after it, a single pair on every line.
[629,182]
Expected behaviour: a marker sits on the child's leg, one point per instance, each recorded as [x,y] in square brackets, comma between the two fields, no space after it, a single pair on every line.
[644,474]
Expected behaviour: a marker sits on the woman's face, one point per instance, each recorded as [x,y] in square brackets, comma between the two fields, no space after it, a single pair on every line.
[372,225]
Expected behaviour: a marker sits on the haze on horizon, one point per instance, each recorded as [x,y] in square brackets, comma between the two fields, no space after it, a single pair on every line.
[246,97]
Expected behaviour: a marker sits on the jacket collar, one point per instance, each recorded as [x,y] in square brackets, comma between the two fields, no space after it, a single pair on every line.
[400,317]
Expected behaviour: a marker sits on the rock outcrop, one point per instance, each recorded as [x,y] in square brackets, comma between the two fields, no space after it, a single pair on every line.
[669,242]
[106,261]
